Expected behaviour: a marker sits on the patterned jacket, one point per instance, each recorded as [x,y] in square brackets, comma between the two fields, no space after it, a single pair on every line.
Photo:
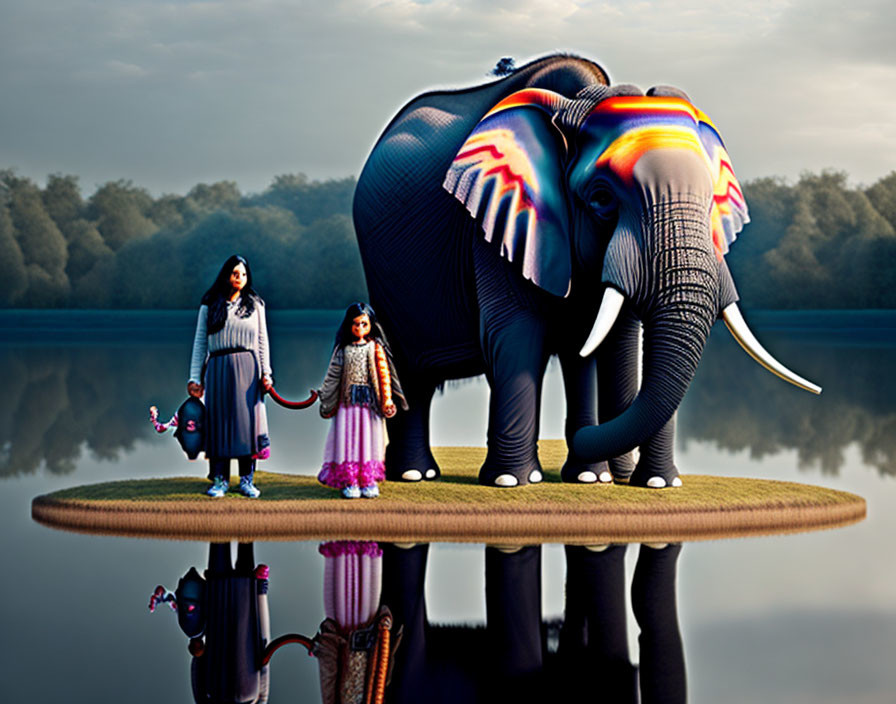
[381,377]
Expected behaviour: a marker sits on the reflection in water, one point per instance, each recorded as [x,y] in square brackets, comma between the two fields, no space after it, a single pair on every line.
[56,400]
[513,659]
[225,616]
[376,627]
[95,391]
[353,645]
[593,643]
[738,407]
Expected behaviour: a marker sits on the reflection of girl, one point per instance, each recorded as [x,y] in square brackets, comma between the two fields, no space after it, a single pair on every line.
[352,581]
[360,390]
[232,342]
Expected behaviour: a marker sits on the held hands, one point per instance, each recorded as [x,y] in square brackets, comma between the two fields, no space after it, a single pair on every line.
[195,390]
[330,414]
[266,383]
[389,409]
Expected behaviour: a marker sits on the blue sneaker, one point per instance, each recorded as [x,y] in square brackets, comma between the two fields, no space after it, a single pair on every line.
[218,489]
[351,492]
[247,488]
[370,492]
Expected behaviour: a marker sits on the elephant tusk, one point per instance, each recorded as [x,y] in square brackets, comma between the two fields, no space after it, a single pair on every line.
[745,338]
[606,316]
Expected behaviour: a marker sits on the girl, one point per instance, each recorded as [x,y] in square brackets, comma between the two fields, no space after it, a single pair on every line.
[360,390]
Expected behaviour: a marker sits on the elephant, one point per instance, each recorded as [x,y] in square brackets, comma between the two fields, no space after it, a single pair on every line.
[497,222]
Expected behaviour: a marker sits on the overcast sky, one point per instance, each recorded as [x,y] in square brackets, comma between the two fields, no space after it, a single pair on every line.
[170,94]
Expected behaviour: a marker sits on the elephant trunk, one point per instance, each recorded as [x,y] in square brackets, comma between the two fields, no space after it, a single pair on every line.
[673,285]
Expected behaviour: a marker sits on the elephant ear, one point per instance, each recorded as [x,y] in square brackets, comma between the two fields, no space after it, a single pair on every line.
[509,174]
[729,209]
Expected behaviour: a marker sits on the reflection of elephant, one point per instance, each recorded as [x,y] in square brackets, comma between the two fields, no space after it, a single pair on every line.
[578,191]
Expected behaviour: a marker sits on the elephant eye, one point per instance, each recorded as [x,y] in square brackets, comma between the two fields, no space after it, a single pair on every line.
[602,201]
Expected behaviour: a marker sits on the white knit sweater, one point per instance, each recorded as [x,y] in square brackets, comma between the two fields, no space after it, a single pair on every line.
[247,333]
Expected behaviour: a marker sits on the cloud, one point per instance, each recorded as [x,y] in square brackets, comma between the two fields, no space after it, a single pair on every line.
[831,31]
[236,90]
[111,70]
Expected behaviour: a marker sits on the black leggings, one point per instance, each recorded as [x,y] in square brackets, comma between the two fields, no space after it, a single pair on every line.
[220,467]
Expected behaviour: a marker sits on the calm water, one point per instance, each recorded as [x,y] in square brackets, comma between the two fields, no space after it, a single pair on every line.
[804,618]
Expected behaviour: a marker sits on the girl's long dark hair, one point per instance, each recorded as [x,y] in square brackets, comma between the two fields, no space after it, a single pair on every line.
[344,334]
[219,293]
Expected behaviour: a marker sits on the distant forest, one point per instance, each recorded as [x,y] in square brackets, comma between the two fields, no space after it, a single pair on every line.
[817,243]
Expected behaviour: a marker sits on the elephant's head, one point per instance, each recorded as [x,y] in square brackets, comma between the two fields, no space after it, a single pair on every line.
[635,189]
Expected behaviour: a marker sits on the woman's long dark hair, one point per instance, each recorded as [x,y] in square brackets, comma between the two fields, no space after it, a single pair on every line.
[219,293]
[344,335]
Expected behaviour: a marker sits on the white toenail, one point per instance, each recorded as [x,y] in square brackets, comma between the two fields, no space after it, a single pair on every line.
[605,477]
[430,473]
[535,477]
[506,480]
[587,477]
[411,475]
[676,481]
[656,482]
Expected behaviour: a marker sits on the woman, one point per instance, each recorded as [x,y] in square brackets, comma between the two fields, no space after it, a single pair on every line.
[232,357]
[358,390]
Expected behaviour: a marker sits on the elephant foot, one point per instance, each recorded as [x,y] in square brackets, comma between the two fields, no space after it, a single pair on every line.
[661,483]
[492,474]
[622,468]
[655,477]
[574,472]
[404,467]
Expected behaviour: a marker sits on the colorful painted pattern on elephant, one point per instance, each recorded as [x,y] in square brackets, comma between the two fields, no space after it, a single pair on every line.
[621,130]
[501,170]
[507,176]
[547,100]
[729,213]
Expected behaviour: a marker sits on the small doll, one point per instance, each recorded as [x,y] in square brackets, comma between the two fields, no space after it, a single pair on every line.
[188,423]
[359,392]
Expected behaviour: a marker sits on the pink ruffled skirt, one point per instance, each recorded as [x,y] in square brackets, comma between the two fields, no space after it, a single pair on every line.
[355,450]
[352,579]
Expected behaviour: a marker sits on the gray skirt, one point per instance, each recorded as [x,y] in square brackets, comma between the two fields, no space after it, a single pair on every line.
[237,423]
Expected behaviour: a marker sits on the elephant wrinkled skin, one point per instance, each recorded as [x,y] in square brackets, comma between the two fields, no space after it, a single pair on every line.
[492,221]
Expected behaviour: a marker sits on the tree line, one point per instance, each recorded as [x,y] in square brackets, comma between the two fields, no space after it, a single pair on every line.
[816,243]
[122,248]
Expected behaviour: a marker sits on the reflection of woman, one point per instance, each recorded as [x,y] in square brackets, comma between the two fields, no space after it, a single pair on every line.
[225,616]
[232,344]
[358,390]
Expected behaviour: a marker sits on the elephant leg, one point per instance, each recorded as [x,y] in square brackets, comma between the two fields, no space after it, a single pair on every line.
[408,455]
[662,672]
[515,374]
[617,372]
[512,332]
[580,384]
[656,465]
[404,578]
[513,621]
[594,637]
